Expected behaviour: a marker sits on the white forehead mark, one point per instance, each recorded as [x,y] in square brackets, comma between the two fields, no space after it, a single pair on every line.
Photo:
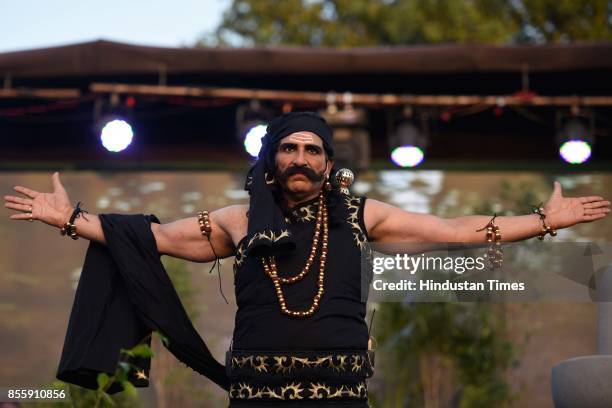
[301,137]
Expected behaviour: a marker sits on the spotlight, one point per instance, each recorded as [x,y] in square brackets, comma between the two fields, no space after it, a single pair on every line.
[408,143]
[407,156]
[112,122]
[575,151]
[575,137]
[251,123]
[116,135]
[252,140]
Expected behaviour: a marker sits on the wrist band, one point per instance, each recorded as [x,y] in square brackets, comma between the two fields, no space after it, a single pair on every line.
[69,228]
[495,253]
[546,229]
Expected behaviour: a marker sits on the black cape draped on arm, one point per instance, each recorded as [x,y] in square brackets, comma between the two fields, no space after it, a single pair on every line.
[124,293]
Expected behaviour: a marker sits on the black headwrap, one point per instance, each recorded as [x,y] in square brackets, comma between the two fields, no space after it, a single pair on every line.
[267,231]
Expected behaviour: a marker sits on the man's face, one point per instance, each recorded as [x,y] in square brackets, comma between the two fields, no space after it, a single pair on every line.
[301,163]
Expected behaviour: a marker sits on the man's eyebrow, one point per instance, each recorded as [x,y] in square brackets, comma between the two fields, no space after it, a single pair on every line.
[315,146]
[308,145]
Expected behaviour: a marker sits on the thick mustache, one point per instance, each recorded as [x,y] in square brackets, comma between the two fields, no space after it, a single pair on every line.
[306,171]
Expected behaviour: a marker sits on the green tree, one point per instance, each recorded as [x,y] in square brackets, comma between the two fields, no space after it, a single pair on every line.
[553,21]
[351,23]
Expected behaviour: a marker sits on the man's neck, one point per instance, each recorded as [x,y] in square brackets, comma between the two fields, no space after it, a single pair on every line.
[293,199]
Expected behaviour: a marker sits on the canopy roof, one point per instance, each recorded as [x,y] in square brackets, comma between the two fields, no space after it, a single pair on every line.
[111,58]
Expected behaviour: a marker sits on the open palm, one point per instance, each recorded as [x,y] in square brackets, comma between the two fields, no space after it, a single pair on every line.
[51,208]
[562,212]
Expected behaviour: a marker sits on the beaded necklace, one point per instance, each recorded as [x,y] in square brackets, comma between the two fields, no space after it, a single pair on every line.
[271,269]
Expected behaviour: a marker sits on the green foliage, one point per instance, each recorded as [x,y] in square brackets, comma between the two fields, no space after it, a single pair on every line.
[351,23]
[181,280]
[468,337]
[553,21]
[121,375]
[141,350]
[178,377]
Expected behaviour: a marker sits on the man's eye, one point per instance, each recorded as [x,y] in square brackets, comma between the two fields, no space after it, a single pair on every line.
[313,150]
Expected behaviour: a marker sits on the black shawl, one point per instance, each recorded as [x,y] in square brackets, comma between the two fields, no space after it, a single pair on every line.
[124,293]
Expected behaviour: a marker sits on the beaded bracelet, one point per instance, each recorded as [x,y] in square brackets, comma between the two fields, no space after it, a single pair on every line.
[546,229]
[204,221]
[69,228]
[206,230]
[495,253]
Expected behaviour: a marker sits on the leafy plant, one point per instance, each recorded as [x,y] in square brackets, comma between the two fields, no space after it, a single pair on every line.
[121,375]
[451,354]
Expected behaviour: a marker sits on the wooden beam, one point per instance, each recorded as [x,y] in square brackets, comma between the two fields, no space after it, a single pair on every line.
[356,98]
[41,93]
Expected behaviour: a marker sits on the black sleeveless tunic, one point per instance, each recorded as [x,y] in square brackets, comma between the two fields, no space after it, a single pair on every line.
[339,322]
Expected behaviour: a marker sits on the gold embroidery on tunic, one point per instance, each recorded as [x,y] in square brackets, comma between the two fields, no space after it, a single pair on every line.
[357,362]
[239,259]
[287,364]
[296,390]
[306,213]
[352,204]
[340,366]
[269,235]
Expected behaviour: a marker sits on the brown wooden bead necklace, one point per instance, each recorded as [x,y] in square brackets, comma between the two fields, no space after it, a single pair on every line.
[271,269]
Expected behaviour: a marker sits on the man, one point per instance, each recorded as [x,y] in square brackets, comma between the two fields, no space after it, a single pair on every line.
[300,334]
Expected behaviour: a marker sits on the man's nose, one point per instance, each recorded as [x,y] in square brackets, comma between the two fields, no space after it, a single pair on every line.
[300,158]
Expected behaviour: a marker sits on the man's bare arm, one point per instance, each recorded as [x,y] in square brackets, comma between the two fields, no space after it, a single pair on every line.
[181,238]
[386,223]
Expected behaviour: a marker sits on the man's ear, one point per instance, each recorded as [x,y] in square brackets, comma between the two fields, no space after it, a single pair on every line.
[330,165]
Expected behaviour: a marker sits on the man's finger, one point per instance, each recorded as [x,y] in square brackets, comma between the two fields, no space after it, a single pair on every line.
[557,188]
[597,204]
[594,211]
[590,199]
[57,184]
[18,200]
[19,207]
[26,191]
[594,217]
[22,216]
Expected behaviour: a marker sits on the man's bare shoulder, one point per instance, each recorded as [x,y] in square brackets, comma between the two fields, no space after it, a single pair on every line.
[231,214]
[233,219]
[375,212]
[374,209]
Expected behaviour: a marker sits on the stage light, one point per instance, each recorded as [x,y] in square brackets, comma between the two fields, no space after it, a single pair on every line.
[408,143]
[251,123]
[575,151]
[252,140]
[116,135]
[407,156]
[575,137]
[112,119]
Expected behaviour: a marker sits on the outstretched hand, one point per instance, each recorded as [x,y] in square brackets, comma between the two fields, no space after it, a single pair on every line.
[51,208]
[563,212]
